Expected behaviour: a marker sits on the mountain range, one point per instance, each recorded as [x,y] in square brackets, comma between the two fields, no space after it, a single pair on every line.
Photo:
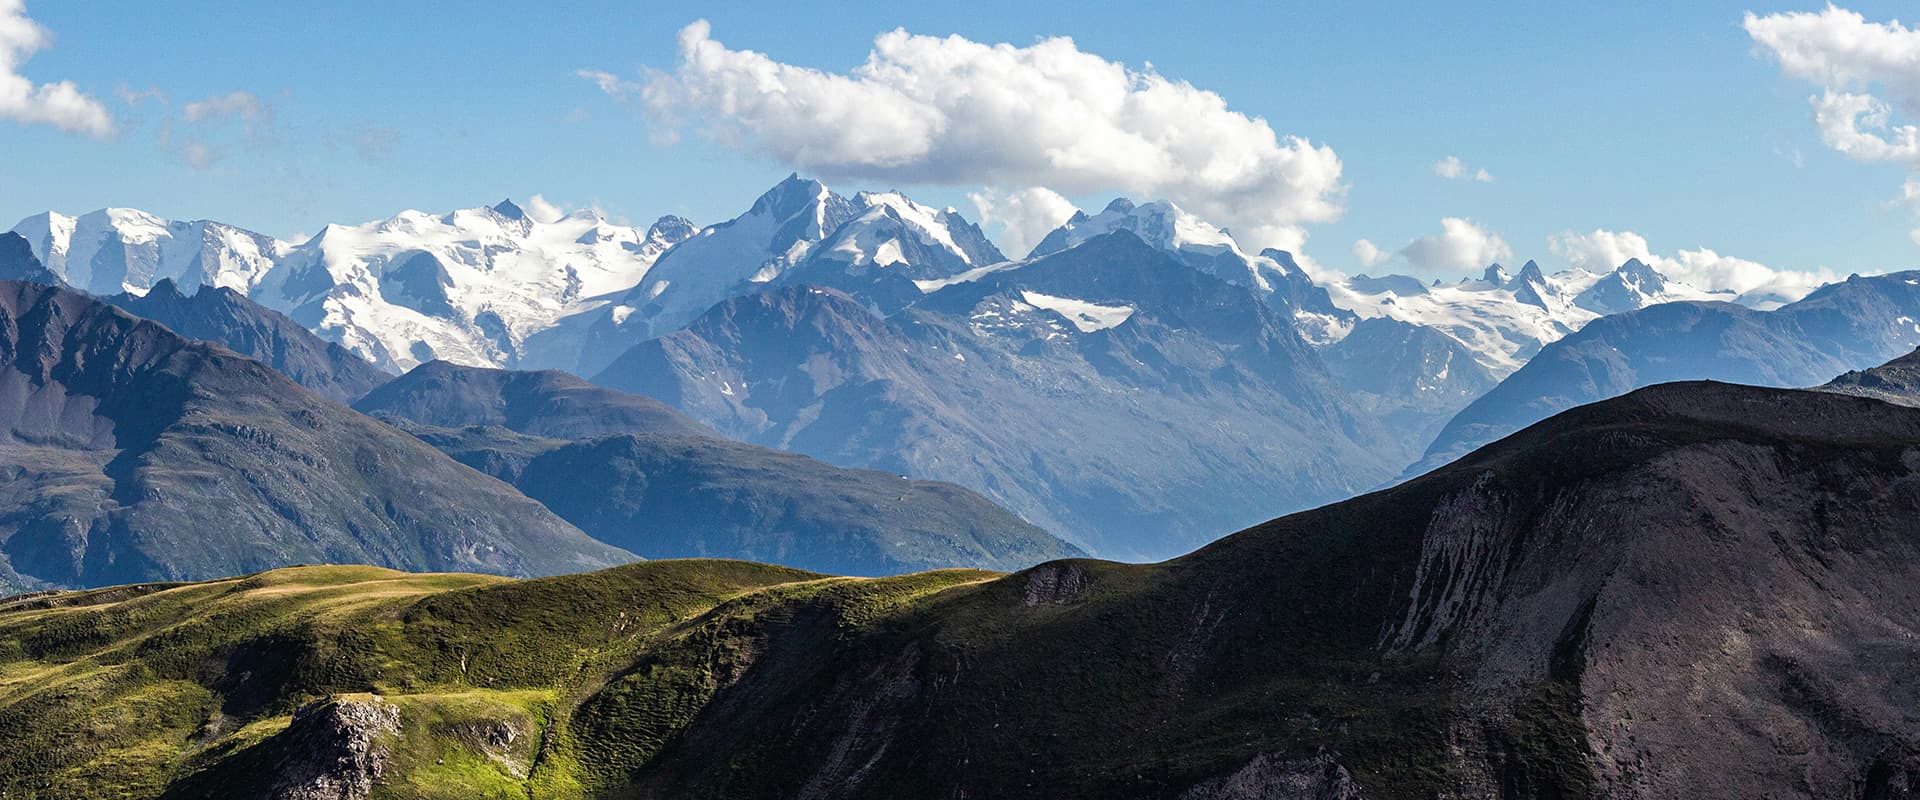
[1696,590]
[1111,409]
[1106,392]
[1854,324]
[628,469]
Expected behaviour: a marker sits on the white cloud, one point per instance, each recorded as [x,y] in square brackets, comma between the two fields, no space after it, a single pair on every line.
[1602,250]
[1867,73]
[1369,254]
[1461,244]
[1021,218]
[543,211]
[1452,168]
[243,105]
[950,111]
[59,104]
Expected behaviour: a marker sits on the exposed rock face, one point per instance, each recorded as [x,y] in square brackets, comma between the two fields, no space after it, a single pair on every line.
[1897,381]
[1271,777]
[1057,583]
[333,749]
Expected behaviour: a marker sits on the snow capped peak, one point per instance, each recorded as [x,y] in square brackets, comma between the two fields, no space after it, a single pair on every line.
[1166,226]
[507,209]
[790,197]
[1634,285]
[1284,260]
[1159,223]
[671,227]
[1530,273]
[1496,275]
[784,226]
[112,250]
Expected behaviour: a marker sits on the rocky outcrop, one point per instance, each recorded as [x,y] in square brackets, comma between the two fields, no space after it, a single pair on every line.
[334,749]
[1270,776]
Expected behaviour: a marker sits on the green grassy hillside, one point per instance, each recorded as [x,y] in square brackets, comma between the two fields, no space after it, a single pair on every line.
[502,686]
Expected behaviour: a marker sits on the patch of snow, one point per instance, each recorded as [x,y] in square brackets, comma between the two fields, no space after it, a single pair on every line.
[1088,317]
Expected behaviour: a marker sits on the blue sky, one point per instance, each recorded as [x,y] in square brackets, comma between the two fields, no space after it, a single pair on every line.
[1631,116]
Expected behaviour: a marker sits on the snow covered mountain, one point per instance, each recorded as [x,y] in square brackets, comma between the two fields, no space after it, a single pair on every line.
[1505,319]
[122,249]
[1271,274]
[881,248]
[469,286]
[1108,392]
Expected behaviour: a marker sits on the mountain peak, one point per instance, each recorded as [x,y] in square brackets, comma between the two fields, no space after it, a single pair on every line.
[789,197]
[507,209]
[1120,205]
[1496,275]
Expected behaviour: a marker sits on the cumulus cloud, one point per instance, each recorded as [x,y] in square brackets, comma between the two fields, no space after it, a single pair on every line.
[1369,254]
[60,104]
[950,111]
[1460,244]
[1867,73]
[1452,168]
[1020,219]
[1602,250]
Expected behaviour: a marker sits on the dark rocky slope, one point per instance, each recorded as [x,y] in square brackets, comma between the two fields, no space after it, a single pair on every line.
[18,264]
[1696,590]
[131,454]
[228,318]
[1897,381]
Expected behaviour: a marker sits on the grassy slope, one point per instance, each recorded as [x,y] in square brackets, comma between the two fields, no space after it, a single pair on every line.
[175,689]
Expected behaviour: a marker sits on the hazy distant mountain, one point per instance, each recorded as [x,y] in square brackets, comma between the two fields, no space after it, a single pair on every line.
[1412,377]
[677,496]
[134,454]
[227,317]
[1109,392]
[635,473]
[1855,324]
[549,403]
